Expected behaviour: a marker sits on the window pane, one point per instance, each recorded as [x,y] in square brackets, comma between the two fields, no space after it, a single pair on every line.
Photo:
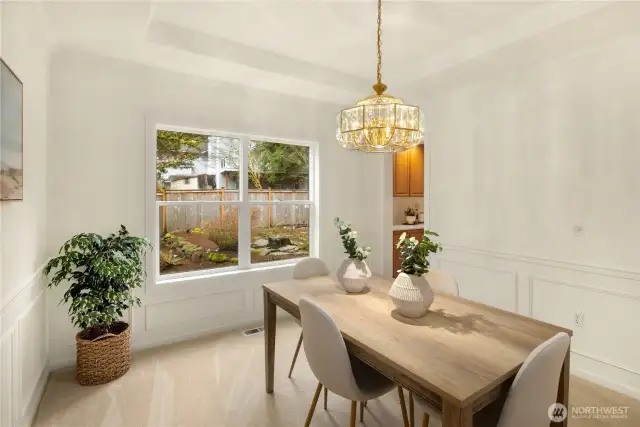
[194,162]
[279,232]
[197,237]
[279,167]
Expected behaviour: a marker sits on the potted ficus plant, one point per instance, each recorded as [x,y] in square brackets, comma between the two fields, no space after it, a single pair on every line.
[410,292]
[102,273]
[410,215]
[353,273]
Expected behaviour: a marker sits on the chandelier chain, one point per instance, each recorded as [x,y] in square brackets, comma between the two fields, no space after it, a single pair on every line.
[379,41]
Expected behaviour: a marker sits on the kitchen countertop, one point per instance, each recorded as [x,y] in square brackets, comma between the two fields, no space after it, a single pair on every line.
[401,227]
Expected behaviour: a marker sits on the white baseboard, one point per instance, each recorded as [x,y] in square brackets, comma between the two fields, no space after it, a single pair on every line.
[68,359]
[31,409]
[619,387]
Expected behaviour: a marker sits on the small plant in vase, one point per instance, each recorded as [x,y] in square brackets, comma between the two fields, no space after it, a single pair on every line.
[410,215]
[410,292]
[354,272]
[102,273]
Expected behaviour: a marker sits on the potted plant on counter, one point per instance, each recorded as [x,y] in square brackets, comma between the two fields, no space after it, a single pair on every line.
[102,273]
[410,215]
[410,292]
[353,273]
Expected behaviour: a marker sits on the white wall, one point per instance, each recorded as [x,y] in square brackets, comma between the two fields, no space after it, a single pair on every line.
[23,331]
[534,189]
[99,107]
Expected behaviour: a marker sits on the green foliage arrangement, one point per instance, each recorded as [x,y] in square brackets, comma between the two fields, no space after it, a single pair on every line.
[410,212]
[102,272]
[348,237]
[415,254]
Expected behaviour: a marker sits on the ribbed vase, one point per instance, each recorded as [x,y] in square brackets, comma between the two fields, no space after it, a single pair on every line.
[411,295]
[353,275]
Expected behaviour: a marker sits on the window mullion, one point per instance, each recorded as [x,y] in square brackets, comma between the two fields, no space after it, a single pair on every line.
[244,213]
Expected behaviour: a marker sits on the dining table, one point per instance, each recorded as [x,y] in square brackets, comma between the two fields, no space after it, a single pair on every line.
[460,357]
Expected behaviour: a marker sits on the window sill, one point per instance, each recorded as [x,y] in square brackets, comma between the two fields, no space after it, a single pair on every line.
[209,274]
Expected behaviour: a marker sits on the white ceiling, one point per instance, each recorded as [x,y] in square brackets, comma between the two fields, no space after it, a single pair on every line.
[318,49]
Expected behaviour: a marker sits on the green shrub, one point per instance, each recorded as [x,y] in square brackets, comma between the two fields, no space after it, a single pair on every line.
[167,259]
[217,257]
[234,261]
[223,231]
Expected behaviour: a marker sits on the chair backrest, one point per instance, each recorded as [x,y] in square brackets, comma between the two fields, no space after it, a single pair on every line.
[535,387]
[441,281]
[310,267]
[326,351]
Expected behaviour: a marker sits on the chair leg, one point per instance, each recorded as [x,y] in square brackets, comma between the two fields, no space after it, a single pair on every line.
[412,419]
[403,407]
[326,391]
[425,420]
[295,355]
[313,405]
[354,407]
[361,412]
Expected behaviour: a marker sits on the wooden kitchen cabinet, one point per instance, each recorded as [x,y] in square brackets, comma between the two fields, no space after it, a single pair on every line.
[408,172]
[396,252]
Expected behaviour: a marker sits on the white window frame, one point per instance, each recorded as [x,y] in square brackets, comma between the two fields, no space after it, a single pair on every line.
[244,205]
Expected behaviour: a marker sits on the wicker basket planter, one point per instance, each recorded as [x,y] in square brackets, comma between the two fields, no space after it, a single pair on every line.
[104,358]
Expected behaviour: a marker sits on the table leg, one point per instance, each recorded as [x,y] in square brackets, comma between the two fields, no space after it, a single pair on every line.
[269,340]
[403,408]
[563,386]
[453,416]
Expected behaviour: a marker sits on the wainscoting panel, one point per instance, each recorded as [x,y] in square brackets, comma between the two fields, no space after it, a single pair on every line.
[487,285]
[605,348]
[171,314]
[23,354]
[177,310]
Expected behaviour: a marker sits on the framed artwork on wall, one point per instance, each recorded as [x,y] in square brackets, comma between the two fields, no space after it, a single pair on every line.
[11,118]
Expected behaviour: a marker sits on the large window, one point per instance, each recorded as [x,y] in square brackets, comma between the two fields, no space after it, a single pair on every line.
[227,201]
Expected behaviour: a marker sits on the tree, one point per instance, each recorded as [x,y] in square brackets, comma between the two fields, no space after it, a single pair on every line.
[228,152]
[281,162]
[178,150]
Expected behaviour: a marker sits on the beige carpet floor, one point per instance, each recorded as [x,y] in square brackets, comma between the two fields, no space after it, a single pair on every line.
[218,381]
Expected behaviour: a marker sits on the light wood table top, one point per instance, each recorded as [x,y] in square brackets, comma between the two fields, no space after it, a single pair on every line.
[461,352]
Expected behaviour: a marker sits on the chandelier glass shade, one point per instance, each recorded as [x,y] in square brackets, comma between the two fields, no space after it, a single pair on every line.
[380,123]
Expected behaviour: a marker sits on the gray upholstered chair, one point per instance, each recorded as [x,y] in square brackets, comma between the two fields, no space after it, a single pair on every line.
[333,367]
[308,267]
[533,391]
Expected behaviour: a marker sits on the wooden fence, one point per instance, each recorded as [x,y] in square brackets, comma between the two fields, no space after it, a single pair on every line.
[268,215]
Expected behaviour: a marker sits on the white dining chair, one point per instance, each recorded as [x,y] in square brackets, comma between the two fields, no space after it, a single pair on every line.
[442,281]
[308,267]
[332,365]
[531,394]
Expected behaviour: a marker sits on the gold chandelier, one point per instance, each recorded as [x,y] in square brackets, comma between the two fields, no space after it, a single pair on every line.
[380,123]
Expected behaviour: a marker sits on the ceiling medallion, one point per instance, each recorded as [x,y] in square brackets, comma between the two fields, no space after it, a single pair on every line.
[380,123]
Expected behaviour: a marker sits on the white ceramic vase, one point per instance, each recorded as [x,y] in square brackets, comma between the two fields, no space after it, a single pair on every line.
[353,275]
[411,295]
[410,219]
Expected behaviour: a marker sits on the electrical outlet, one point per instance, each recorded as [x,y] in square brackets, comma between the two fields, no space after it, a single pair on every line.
[578,319]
